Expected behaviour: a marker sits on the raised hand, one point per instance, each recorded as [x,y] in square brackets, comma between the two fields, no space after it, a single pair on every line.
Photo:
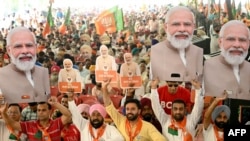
[4,108]
[106,82]
[196,84]
[154,83]
[223,97]
[1,99]
[52,100]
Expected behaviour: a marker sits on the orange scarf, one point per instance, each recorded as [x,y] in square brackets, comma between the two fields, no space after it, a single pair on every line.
[12,132]
[181,125]
[216,132]
[100,132]
[45,134]
[137,130]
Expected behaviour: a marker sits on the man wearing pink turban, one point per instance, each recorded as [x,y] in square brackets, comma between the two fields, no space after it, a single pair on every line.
[93,129]
[84,110]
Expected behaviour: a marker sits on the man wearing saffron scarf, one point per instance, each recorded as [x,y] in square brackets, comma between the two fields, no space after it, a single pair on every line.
[220,116]
[131,126]
[44,128]
[93,129]
[6,132]
[178,126]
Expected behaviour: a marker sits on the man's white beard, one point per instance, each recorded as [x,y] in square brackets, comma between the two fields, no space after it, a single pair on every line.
[68,69]
[233,59]
[104,55]
[179,43]
[23,65]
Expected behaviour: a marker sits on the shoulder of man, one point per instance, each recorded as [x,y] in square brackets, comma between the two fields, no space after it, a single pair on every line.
[5,68]
[213,60]
[158,45]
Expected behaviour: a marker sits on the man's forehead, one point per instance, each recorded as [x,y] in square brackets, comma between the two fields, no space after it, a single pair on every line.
[223,113]
[64,100]
[181,16]
[178,105]
[131,105]
[95,112]
[22,42]
[42,106]
[67,62]
[146,107]
[13,108]
[242,36]
[176,21]
[85,51]
[172,82]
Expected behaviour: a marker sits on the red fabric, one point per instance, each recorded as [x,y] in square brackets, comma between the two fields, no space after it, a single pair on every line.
[71,133]
[167,98]
[30,128]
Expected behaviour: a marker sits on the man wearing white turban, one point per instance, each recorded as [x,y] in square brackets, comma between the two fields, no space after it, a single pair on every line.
[220,116]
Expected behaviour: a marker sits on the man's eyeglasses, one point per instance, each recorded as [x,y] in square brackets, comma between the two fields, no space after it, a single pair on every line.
[173,85]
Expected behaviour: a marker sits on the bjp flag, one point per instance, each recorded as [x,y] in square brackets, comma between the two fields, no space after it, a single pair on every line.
[63,28]
[109,21]
[105,22]
[49,22]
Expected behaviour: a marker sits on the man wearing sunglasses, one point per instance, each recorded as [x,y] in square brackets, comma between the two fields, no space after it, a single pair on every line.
[171,91]
[178,126]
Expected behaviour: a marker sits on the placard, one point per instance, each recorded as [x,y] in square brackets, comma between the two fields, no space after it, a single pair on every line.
[131,81]
[102,75]
[64,86]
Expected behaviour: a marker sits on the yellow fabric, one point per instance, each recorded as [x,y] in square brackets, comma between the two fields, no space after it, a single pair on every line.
[148,131]
[92,68]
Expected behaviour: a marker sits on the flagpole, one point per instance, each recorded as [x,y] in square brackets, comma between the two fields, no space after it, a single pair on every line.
[208,8]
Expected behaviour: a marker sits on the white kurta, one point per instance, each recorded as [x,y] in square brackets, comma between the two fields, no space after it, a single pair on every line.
[5,133]
[110,133]
[209,135]
[165,119]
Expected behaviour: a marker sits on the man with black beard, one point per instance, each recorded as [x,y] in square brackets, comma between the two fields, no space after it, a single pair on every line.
[147,113]
[69,131]
[230,71]
[131,126]
[220,116]
[93,129]
[178,126]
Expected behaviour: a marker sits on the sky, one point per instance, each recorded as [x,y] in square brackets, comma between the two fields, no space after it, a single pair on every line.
[7,6]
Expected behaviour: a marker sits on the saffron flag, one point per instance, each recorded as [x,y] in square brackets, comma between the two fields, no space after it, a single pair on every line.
[109,21]
[63,27]
[49,22]
[214,6]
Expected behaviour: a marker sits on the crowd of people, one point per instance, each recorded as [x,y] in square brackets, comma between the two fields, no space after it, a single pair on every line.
[170,105]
